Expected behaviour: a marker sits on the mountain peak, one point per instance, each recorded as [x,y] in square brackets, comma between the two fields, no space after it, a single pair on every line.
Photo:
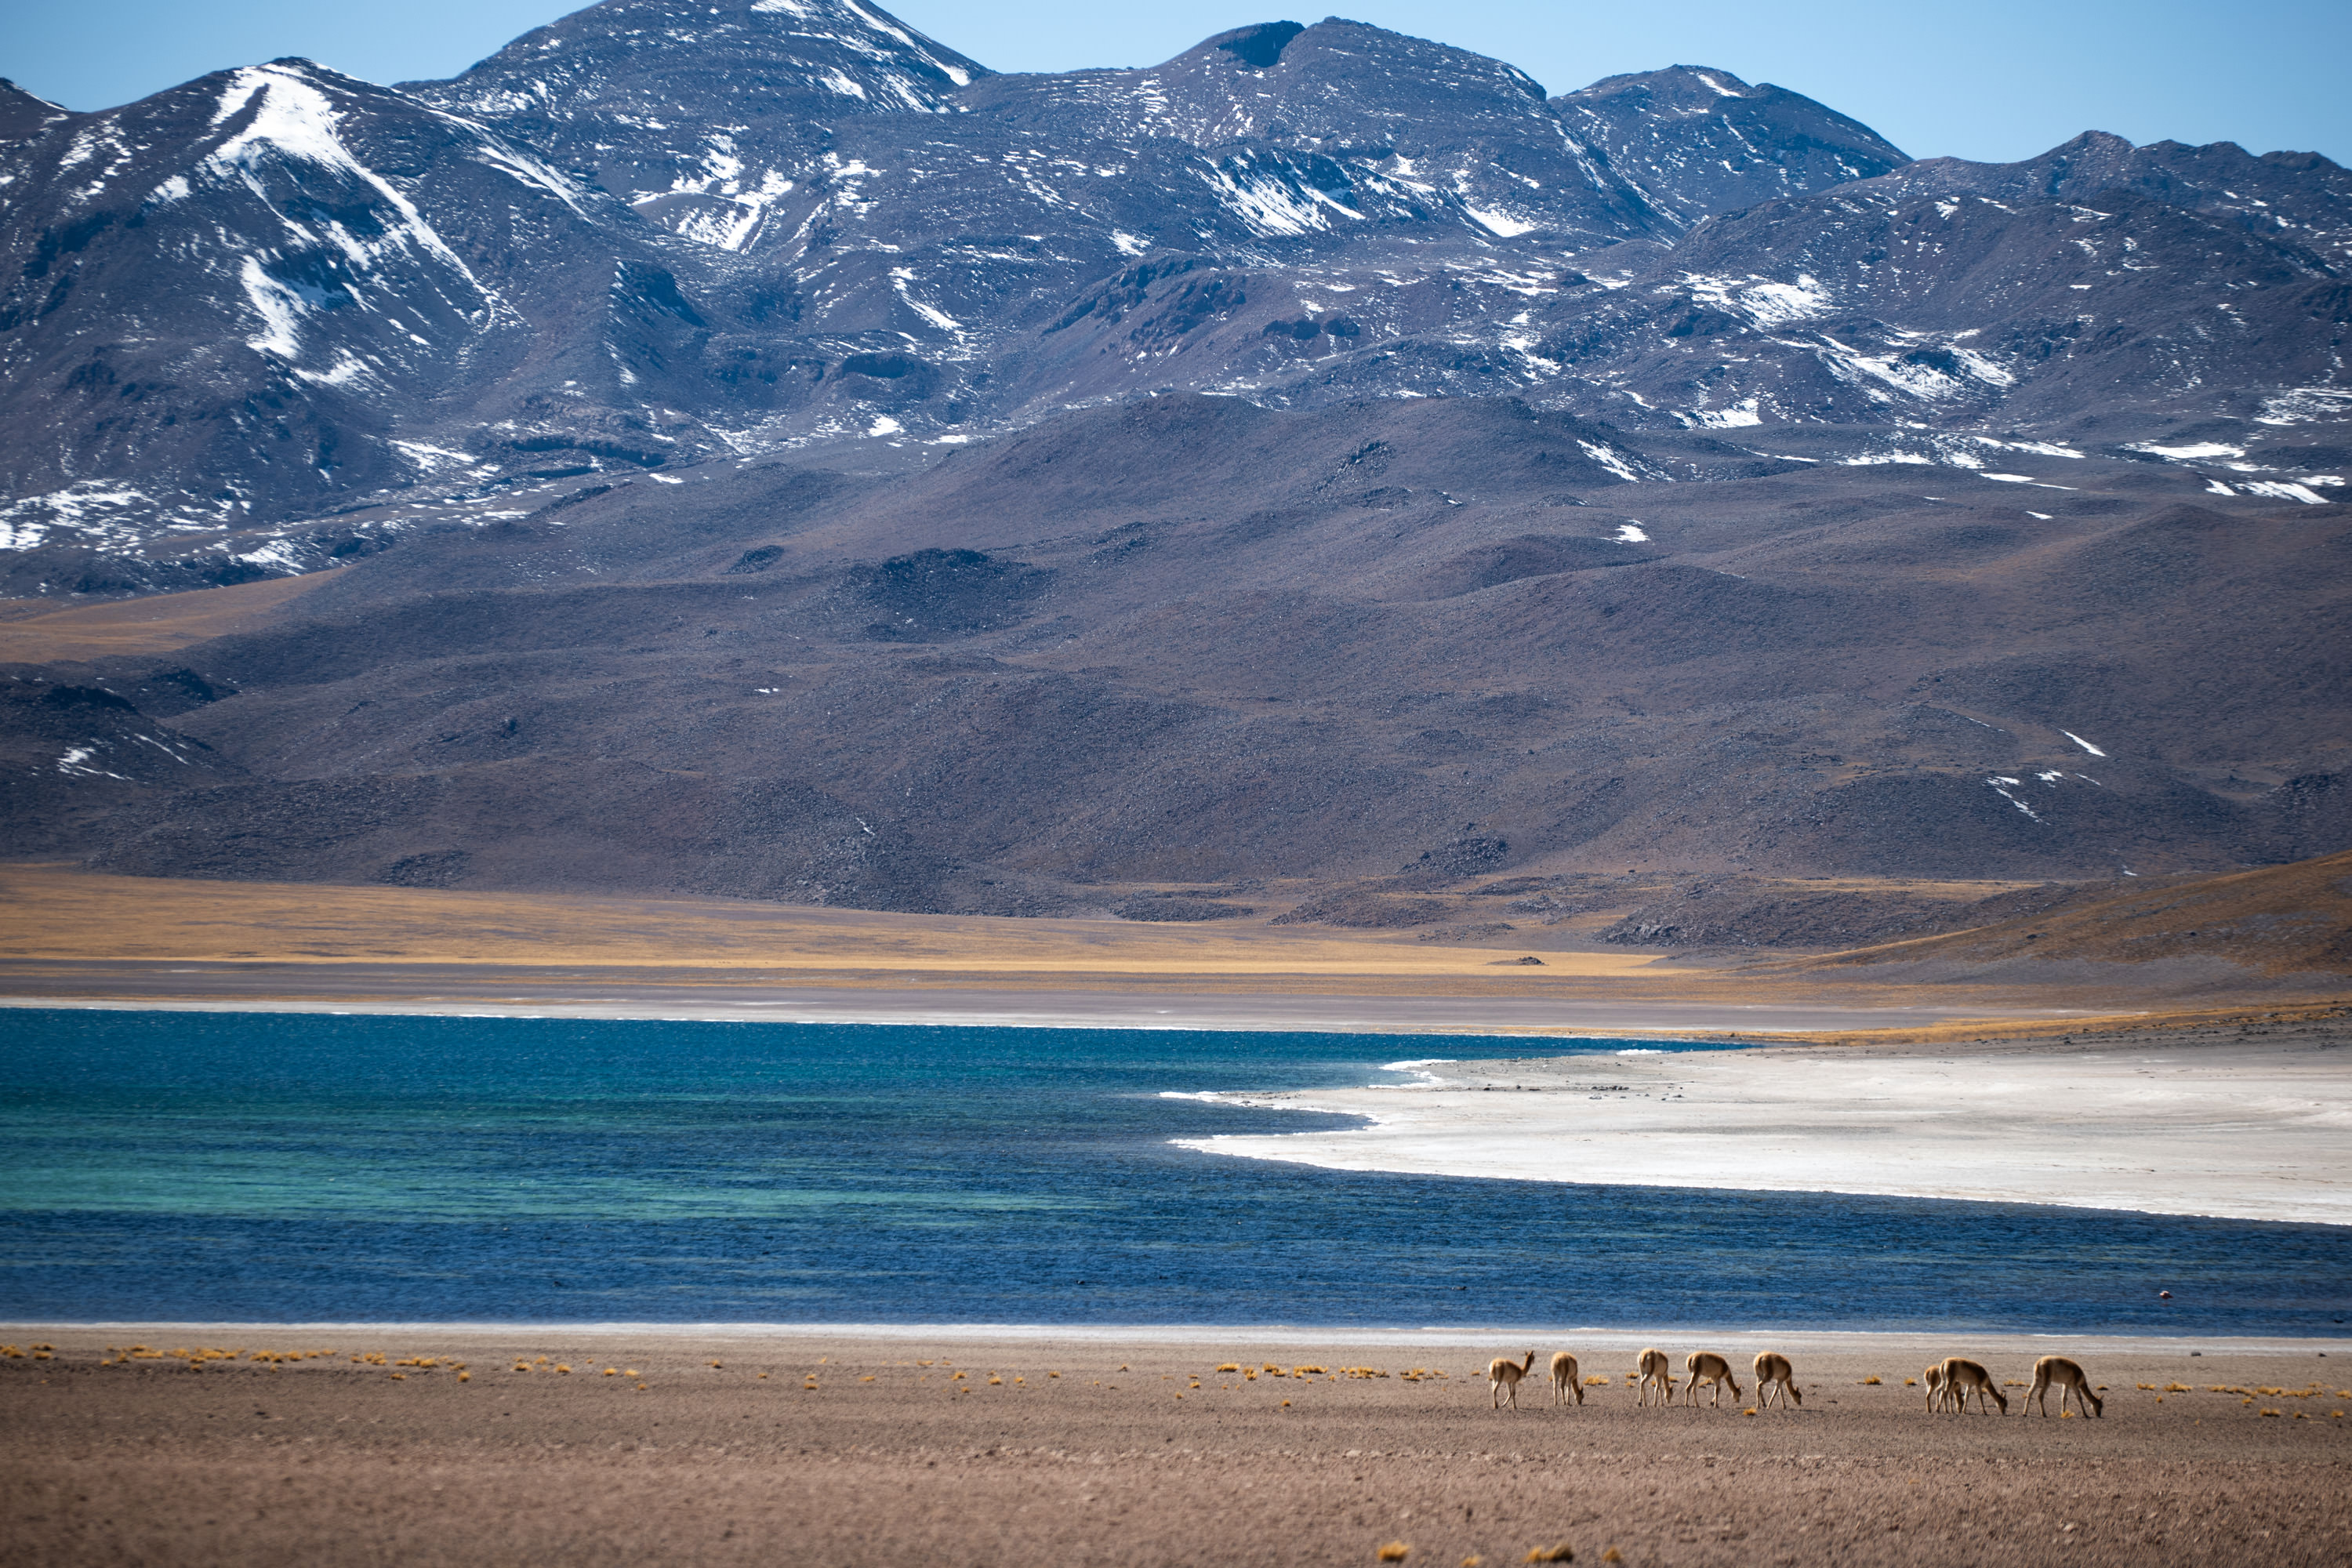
[1436,127]
[1695,88]
[24,115]
[825,57]
[1257,46]
[1702,140]
[654,98]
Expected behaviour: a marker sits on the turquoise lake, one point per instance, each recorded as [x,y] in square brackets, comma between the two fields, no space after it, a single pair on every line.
[288,1167]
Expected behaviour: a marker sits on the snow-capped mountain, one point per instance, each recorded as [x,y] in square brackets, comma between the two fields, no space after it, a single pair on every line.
[257,295]
[276,314]
[704,117]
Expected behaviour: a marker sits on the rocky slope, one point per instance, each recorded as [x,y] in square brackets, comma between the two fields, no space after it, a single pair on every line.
[1253,656]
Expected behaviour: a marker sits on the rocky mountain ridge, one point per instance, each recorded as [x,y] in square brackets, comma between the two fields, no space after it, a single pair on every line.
[653,233]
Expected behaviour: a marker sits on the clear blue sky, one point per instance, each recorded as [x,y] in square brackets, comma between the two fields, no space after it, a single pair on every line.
[1993,80]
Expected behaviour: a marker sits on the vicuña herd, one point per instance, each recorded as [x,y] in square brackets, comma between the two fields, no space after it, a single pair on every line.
[1949,1382]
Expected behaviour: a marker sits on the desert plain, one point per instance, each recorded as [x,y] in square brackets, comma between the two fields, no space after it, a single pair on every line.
[368,1445]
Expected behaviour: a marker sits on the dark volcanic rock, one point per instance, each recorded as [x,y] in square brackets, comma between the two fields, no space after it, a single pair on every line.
[1366,912]
[1174,909]
[1736,911]
[936,594]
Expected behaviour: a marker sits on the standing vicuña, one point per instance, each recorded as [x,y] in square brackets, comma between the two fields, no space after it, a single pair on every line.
[1503,1372]
[1772,1367]
[1563,1378]
[1962,1378]
[1706,1366]
[1656,1371]
[1934,1378]
[2069,1378]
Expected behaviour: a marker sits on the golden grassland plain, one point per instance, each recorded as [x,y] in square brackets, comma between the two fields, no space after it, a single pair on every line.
[71,935]
[67,934]
[334,1446]
[35,631]
[56,912]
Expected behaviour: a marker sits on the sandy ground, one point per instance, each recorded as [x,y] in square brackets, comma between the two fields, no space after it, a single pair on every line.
[1401,1010]
[37,631]
[2233,1124]
[59,915]
[852,1452]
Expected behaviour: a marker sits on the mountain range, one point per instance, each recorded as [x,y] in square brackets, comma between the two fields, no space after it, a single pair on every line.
[1321,476]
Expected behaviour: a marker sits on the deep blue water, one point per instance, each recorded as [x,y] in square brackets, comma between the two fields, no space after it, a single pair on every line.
[285,1167]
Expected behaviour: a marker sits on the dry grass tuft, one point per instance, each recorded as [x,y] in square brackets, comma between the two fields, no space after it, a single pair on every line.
[1610,1556]
[1561,1553]
[1395,1552]
[1871,1382]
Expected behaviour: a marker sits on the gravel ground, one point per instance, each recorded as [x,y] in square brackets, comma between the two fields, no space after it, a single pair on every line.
[892,1457]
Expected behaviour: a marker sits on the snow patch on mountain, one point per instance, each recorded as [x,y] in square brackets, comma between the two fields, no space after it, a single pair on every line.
[1761,301]
[288,119]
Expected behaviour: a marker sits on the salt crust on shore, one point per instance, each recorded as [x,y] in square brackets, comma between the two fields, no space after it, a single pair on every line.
[2237,1131]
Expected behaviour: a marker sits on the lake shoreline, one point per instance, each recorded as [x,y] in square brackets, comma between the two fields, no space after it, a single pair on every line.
[491,1338]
